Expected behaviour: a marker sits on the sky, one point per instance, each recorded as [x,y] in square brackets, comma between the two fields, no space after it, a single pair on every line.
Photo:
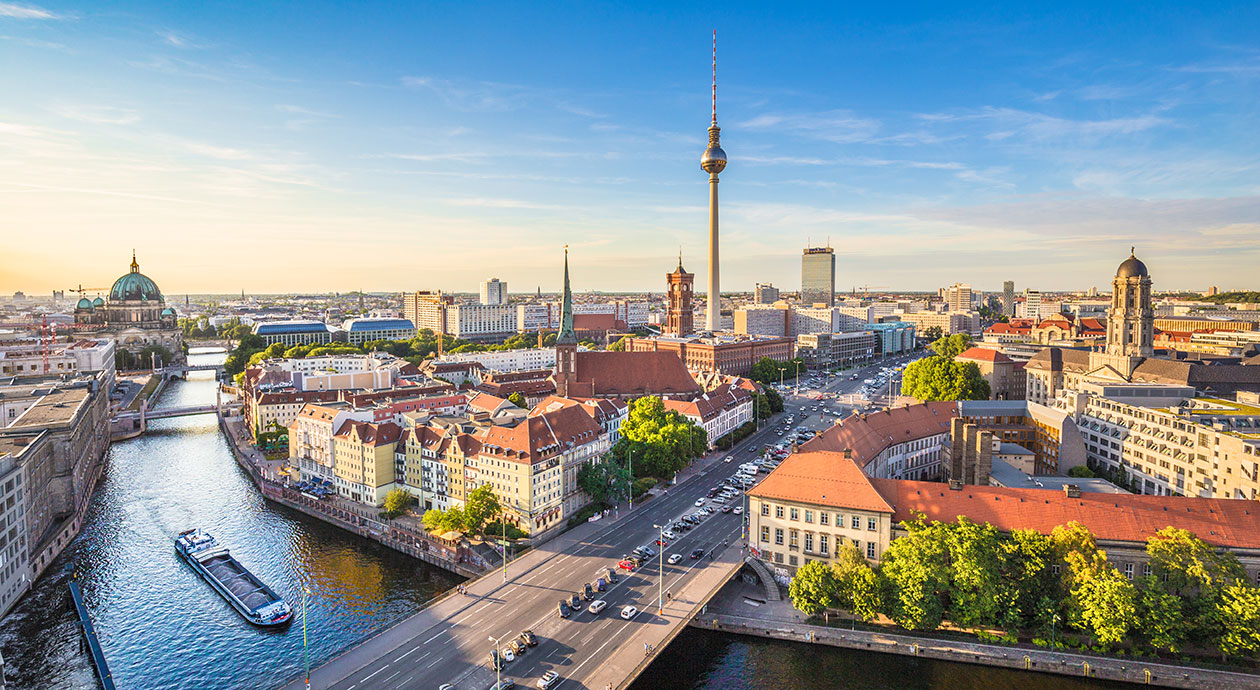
[307,146]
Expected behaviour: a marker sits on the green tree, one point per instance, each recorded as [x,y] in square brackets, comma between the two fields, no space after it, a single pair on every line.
[930,334]
[980,593]
[620,345]
[773,399]
[916,567]
[480,505]
[813,588]
[1160,617]
[443,521]
[1239,613]
[396,502]
[858,587]
[607,481]
[1101,601]
[661,441]
[1028,566]
[1187,563]
[518,400]
[1081,472]
[951,346]
[938,378]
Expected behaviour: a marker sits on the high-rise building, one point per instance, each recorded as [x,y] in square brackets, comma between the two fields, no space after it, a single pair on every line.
[493,291]
[765,293]
[713,162]
[1008,298]
[818,276]
[1032,304]
[958,297]
[1213,291]
[678,320]
[427,309]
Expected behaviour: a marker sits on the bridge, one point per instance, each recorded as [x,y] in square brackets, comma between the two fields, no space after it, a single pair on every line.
[181,370]
[450,641]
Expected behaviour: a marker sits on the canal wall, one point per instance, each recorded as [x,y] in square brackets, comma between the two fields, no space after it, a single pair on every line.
[420,545]
[1043,661]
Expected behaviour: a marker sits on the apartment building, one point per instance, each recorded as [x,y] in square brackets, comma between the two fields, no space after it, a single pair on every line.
[719,411]
[827,350]
[26,358]
[311,437]
[363,460]
[360,331]
[898,443]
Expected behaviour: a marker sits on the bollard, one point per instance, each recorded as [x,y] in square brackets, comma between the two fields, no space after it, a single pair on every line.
[1085,667]
[1027,662]
[1147,674]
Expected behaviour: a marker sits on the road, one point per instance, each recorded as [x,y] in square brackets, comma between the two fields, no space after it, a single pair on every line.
[456,648]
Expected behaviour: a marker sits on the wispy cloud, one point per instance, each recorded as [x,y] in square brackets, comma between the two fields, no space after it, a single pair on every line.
[471,96]
[219,152]
[177,40]
[98,114]
[839,126]
[1011,121]
[8,9]
[508,203]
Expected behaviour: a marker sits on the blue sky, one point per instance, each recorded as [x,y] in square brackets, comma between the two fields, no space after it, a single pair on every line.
[309,146]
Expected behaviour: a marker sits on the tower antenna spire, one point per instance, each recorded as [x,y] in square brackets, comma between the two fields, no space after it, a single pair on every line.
[715,76]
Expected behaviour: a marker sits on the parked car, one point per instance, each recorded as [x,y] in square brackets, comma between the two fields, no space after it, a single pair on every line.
[509,655]
[517,647]
[625,565]
[563,609]
[700,501]
[575,602]
[588,592]
[496,661]
[629,612]
[597,606]
[505,684]
[548,680]
[726,509]
[527,636]
[601,584]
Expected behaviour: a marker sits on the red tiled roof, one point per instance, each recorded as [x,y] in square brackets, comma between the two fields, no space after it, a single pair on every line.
[1114,517]
[981,354]
[868,435]
[594,322]
[541,436]
[631,373]
[711,404]
[821,478]
[486,402]
[370,434]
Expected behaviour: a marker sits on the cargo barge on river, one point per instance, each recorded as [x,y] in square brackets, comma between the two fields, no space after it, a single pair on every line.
[245,592]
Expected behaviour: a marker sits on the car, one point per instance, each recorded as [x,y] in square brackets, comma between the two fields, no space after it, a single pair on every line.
[700,501]
[661,543]
[527,636]
[674,558]
[548,680]
[518,648]
[505,684]
[727,459]
[697,553]
[726,509]
[648,551]
[720,499]
[563,609]
[739,510]
[625,565]
[597,606]
[668,534]
[496,661]
[575,602]
[629,612]
[588,592]
[509,655]
[601,584]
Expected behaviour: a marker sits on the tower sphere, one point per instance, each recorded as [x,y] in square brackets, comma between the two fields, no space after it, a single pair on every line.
[714,158]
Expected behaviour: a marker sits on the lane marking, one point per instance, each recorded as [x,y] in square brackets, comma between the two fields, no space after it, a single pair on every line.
[365,679]
[435,637]
[406,653]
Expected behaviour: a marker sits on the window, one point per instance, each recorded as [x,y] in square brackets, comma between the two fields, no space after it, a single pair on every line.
[765,508]
[809,516]
[778,537]
[857,522]
[765,533]
[822,517]
[796,514]
[1146,569]
[822,543]
[792,560]
[809,541]
[870,549]
[778,511]
[870,524]
[1128,571]
[794,538]
[778,558]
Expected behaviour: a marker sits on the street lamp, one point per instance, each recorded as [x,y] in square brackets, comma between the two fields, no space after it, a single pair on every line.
[498,662]
[503,543]
[660,583]
[630,461]
[306,656]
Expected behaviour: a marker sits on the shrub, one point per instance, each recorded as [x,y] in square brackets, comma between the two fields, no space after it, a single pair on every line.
[643,484]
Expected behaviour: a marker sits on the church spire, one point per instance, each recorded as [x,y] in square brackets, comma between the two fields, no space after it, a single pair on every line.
[135,267]
[566,335]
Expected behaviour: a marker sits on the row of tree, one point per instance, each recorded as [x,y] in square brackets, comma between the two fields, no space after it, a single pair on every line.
[941,377]
[977,577]
[768,370]
[480,506]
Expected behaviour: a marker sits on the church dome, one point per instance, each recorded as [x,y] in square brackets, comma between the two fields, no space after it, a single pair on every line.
[98,302]
[135,286]
[84,303]
[169,311]
[1132,268]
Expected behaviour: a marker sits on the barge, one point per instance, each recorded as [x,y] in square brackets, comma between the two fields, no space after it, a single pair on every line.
[255,601]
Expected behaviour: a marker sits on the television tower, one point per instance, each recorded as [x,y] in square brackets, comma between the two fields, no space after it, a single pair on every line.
[713,162]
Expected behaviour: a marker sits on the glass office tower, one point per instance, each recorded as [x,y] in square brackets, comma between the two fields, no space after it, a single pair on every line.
[818,276]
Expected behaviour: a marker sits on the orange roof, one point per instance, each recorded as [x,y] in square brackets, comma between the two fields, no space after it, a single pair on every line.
[1113,517]
[631,373]
[868,435]
[541,436]
[981,354]
[821,478]
[369,433]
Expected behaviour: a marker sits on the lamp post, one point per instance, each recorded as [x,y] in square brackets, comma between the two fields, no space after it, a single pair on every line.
[660,583]
[630,461]
[498,662]
[503,543]
[306,656]
[796,386]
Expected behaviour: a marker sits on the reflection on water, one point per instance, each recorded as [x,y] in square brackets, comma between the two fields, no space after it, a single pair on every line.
[160,625]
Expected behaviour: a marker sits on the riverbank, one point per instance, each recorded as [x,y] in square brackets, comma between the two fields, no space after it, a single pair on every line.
[741,609]
[455,557]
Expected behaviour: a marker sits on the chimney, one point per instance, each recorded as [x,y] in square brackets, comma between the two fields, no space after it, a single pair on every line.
[1072,490]
[955,485]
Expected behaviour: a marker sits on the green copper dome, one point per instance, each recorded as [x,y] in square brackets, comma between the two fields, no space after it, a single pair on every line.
[98,302]
[84,303]
[169,311]
[135,286]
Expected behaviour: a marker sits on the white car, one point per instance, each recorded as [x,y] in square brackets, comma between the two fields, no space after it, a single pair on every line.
[674,558]
[739,510]
[508,655]
[727,459]
[668,535]
[629,612]
[597,606]
[700,501]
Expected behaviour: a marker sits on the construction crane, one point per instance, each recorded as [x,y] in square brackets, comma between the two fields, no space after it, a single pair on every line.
[82,290]
[866,289]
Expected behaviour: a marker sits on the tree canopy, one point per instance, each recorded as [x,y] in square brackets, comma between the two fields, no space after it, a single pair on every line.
[607,481]
[657,442]
[767,370]
[938,378]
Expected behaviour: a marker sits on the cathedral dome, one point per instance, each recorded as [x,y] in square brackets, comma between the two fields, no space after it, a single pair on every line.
[84,303]
[135,286]
[1132,268]
[98,302]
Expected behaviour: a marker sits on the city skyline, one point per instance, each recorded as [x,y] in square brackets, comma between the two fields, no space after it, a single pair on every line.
[1032,147]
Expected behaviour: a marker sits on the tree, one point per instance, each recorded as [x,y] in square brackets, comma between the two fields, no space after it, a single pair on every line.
[620,345]
[917,569]
[979,592]
[1028,567]
[1081,472]
[607,481]
[951,345]
[518,400]
[443,521]
[1239,613]
[930,334]
[938,378]
[396,502]
[812,590]
[1193,573]
[1160,617]
[858,587]
[661,441]
[773,399]
[1101,600]
[480,505]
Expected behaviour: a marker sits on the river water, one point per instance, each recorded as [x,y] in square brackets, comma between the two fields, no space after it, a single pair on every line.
[162,627]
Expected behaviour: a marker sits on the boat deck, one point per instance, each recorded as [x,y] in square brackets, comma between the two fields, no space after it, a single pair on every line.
[240,582]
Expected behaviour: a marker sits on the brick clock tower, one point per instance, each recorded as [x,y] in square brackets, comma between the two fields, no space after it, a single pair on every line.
[678,320]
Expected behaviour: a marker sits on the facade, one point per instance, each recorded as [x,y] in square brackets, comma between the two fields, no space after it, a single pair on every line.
[508,360]
[83,356]
[134,317]
[897,443]
[679,315]
[958,297]
[818,276]
[828,350]
[294,332]
[481,322]
[893,337]
[816,500]
[493,291]
[1032,304]
[1049,433]
[720,354]
[1008,298]
[772,320]
[949,322]
[311,437]
[545,316]
[363,460]
[359,331]
[765,293]
[1005,376]
[427,310]
[719,411]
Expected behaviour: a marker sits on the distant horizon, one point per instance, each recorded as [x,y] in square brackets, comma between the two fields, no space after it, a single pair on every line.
[289,149]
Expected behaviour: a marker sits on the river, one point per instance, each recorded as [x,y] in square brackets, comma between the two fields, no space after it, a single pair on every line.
[162,627]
